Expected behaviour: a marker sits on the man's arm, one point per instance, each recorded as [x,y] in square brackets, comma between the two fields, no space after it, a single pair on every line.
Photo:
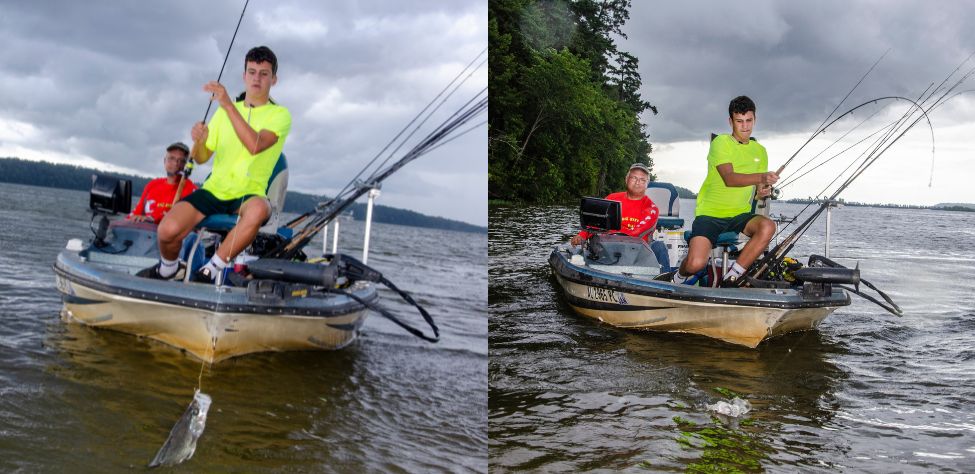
[738,180]
[254,141]
[200,153]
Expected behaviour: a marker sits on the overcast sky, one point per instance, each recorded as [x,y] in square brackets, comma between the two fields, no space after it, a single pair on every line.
[797,60]
[110,84]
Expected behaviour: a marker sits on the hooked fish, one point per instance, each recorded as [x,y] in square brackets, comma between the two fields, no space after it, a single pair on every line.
[181,443]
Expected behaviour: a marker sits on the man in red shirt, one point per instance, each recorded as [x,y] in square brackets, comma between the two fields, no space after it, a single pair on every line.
[638,213]
[157,197]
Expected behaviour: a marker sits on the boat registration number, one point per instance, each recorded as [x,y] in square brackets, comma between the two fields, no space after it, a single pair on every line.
[609,296]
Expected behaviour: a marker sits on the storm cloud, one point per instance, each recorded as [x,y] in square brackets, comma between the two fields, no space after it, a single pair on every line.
[112,83]
[798,60]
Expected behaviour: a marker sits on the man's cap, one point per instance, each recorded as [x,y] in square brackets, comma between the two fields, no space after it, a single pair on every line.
[641,167]
[179,146]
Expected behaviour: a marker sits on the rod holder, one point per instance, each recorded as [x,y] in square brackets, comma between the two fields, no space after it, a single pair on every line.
[373,194]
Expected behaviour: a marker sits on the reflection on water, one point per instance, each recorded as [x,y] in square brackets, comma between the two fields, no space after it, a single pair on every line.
[865,392]
[78,399]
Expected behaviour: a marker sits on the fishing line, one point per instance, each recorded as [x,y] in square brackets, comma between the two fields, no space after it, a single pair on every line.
[226,56]
[188,167]
[808,162]
[820,129]
[289,248]
[838,154]
[444,100]
[882,146]
[417,116]
[209,355]
[354,185]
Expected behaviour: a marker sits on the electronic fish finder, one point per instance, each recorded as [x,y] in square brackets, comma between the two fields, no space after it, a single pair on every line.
[108,196]
[600,215]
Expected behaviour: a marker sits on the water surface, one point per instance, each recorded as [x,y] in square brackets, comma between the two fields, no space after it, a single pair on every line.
[84,400]
[866,392]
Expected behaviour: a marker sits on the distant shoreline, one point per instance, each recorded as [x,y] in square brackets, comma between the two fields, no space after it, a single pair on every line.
[959,207]
[936,207]
[60,176]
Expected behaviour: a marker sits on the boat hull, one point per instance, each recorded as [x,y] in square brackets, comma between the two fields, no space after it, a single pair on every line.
[211,323]
[739,316]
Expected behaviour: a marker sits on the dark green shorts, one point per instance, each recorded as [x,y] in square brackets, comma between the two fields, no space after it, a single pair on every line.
[205,202]
[712,227]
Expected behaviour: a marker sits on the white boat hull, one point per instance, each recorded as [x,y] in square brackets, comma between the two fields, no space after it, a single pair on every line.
[211,323]
[744,316]
[212,336]
[743,325]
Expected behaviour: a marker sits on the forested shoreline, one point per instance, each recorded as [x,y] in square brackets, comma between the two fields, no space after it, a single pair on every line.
[51,175]
[564,101]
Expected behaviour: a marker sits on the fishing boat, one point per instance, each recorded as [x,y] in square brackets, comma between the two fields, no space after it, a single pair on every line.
[280,312]
[275,298]
[617,280]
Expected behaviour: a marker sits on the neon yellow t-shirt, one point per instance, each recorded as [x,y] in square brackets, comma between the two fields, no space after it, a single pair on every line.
[236,172]
[717,200]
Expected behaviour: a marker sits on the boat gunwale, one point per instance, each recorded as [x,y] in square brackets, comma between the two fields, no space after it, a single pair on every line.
[332,311]
[667,290]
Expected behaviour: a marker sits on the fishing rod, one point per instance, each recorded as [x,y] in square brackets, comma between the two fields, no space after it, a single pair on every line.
[762,204]
[928,92]
[327,211]
[820,129]
[889,139]
[301,218]
[188,167]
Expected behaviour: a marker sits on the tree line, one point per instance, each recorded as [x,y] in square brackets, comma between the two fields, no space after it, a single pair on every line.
[564,100]
[51,175]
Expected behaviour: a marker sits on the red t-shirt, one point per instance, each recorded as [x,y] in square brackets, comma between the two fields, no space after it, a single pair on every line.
[157,198]
[638,215]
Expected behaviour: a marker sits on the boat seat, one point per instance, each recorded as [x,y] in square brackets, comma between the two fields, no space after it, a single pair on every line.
[665,196]
[726,240]
[277,189]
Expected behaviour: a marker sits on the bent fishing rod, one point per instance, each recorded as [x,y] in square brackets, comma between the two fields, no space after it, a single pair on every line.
[882,145]
[188,167]
[821,128]
[445,132]
[352,183]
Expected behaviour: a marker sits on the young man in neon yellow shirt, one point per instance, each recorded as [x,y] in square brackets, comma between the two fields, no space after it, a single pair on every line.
[246,137]
[737,170]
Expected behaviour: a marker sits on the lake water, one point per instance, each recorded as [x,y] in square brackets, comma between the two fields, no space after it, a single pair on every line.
[866,392]
[75,399]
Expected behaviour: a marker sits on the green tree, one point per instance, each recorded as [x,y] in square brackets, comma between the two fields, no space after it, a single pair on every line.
[564,102]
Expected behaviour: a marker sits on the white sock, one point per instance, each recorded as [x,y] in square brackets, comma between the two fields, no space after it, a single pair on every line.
[678,278]
[218,262]
[216,265]
[167,268]
[735,271]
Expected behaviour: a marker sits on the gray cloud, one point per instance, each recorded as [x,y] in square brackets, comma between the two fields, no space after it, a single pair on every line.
[117,81]
[796,59]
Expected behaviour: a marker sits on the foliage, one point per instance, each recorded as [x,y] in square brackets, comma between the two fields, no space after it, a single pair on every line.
[564,101]
[37,173]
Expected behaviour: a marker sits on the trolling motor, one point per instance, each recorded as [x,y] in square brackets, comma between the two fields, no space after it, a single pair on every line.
[108,196]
